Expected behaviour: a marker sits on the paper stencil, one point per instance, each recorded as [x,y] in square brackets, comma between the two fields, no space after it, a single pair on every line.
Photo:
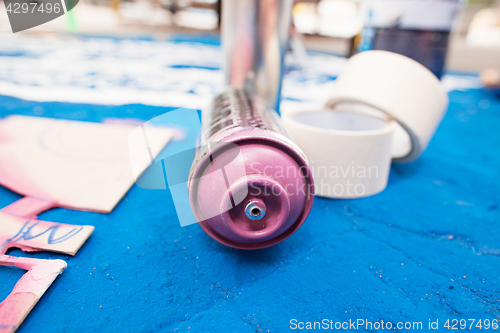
[77,165]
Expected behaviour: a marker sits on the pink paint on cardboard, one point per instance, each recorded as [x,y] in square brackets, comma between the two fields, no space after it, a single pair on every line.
[33,235]
[74,164]
[28,290]
[36,235]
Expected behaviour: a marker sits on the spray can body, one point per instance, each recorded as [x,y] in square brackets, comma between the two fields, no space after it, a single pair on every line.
[250,186]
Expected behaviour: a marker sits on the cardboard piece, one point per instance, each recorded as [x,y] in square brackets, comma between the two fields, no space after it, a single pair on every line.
[73,164]
[28,290]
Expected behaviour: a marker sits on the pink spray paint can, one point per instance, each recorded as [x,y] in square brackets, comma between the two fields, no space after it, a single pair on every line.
[250,186]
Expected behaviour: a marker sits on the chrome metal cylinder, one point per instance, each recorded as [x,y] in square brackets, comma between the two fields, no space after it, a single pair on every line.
[255,37]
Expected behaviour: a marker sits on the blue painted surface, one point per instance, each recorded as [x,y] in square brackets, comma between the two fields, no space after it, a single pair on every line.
[425,248]
[428,247]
